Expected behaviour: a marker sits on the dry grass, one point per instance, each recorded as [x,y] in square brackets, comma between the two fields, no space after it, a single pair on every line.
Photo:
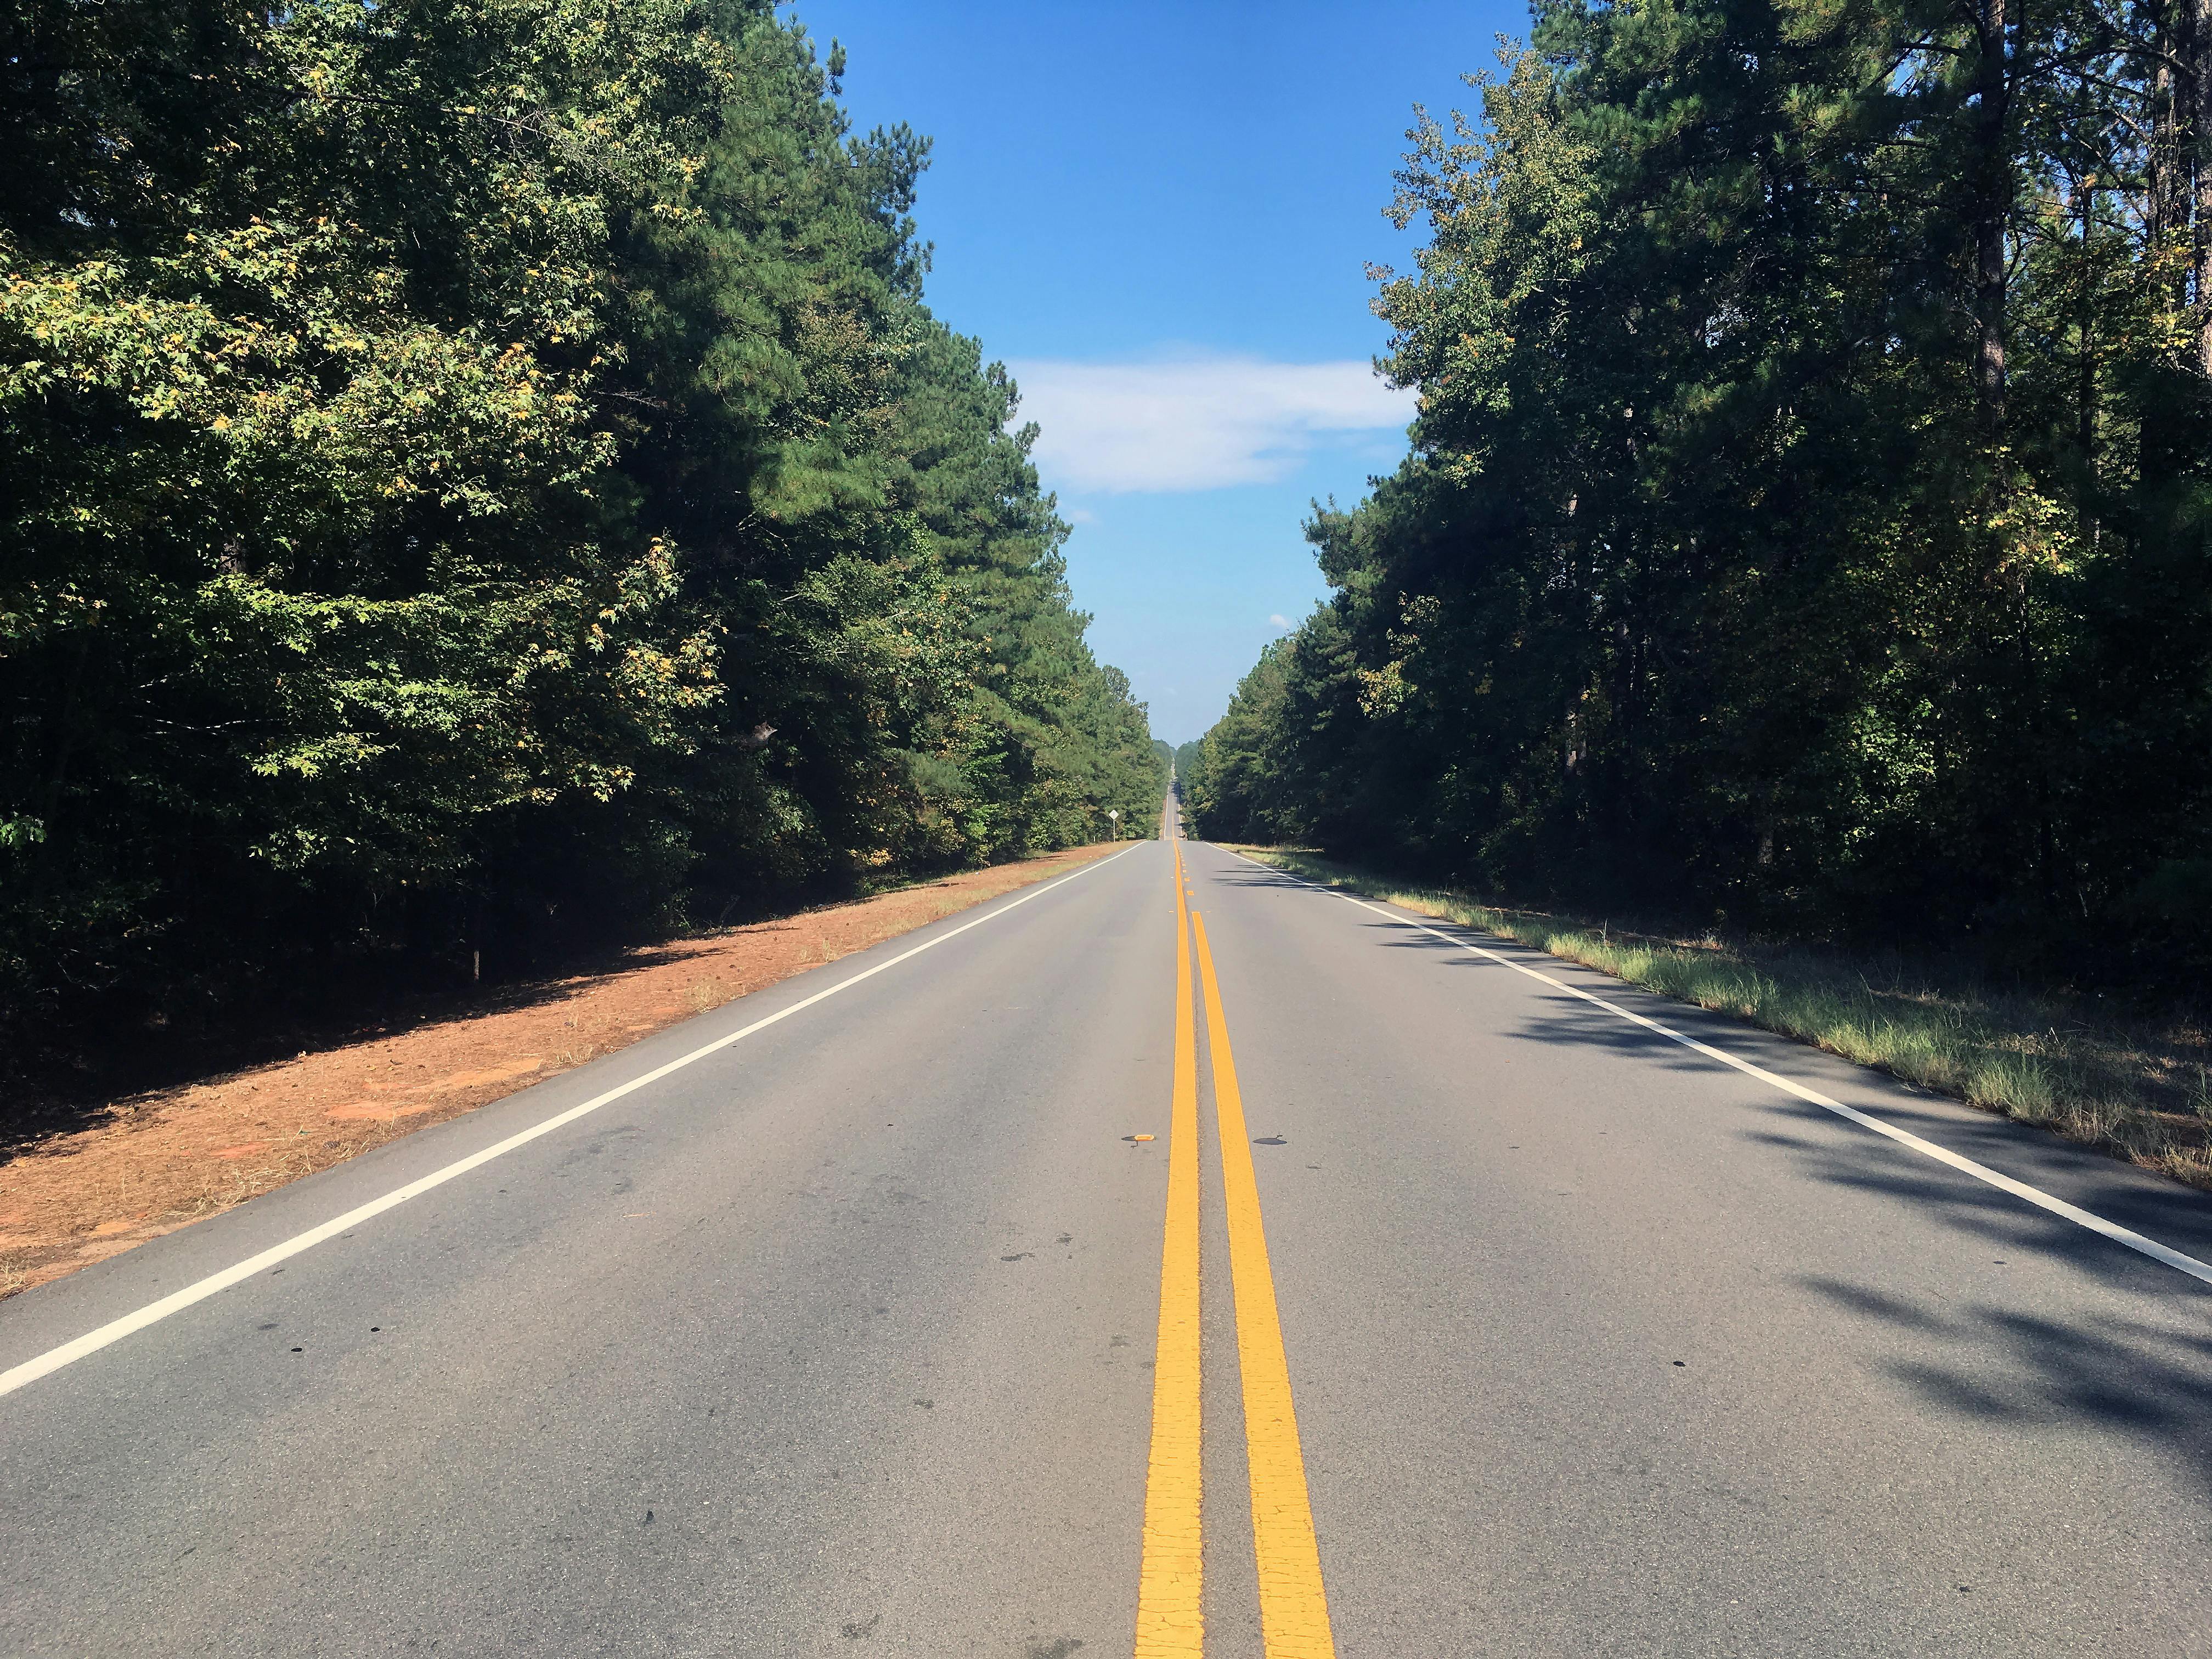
[2138,1088]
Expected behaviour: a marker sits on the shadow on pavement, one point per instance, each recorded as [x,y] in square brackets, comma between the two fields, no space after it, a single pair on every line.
[2160,1208]
[2026,1371]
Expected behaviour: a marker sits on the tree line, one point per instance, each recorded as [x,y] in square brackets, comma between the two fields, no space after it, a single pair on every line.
[1806,514]
[480,475]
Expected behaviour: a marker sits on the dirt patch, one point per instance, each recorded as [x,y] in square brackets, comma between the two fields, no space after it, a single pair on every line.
[161,1160]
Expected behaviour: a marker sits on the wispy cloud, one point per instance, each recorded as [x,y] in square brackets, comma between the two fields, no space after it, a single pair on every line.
[1279,621]
[1195,424]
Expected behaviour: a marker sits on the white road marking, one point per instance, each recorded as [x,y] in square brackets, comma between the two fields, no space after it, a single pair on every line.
[2021,1189]
[115,1330]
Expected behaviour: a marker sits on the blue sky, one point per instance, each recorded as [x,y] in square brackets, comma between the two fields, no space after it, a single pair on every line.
[1159,216]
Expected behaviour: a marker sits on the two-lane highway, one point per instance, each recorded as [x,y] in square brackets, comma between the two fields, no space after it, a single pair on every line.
[1444,1313]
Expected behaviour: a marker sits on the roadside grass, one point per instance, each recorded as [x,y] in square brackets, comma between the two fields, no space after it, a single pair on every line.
[2137,1088]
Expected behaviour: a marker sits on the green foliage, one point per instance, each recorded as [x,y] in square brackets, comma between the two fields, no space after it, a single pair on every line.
[1807,514]
[481,471]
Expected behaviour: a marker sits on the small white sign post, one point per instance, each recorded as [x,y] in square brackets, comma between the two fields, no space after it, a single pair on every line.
[1115,813]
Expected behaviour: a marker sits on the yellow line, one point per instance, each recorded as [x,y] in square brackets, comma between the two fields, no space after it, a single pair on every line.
[1293,1607]
[1170,1614]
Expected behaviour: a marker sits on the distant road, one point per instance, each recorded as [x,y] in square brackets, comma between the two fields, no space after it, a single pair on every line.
[1558,1337]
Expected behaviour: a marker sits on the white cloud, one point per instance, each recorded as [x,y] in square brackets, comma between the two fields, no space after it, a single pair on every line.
[1196,423]
[1279,621]
[1078,515]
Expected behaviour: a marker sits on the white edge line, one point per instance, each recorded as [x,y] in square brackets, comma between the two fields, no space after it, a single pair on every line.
[115,1330]
[2035,1196]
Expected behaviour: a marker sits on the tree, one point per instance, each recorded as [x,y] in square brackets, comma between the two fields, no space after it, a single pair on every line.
[481,474]
[1805,513]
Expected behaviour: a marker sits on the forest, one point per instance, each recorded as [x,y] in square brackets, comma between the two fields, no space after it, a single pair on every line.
[481,477]
[1805,521]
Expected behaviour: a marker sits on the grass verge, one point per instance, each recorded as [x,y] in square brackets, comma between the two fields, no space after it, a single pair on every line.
[2139,1090]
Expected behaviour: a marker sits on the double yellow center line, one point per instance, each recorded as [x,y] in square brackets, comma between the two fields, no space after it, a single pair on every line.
[1294,1608]
[1170,1614]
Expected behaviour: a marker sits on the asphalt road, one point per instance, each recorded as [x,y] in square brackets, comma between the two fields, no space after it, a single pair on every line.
[841,1339]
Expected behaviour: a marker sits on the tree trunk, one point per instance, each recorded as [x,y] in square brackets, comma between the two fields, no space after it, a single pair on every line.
[1993,191]
[2161,196]
[2085,390]
[2199,61]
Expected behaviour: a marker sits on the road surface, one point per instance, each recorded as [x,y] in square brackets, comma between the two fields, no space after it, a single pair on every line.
[1499,1325]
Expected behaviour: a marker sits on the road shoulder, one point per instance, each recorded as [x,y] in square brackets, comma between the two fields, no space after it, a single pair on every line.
[162,1160]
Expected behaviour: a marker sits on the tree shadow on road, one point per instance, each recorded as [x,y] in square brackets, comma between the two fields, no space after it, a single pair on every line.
[2025,1373]
[2146,1202]
[2133,1360]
